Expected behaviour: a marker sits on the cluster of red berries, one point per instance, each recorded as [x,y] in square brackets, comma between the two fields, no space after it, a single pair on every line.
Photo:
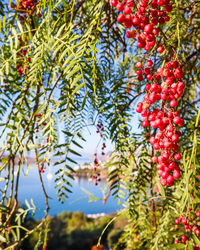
[25,6]
[96,175]
[25,9]
[100,127]
[38,125]
[149,14]
[42,167]
[164,85]
[22,58]
[103,147]
[189,228]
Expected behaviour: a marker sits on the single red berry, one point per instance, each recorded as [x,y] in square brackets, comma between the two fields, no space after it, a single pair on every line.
[160,2]
[177,156]
[130,3]
[173,103]
[120,7]
[148,28]
[149,63]
[154,159]
[141,44]
[121,18]
[163,182]
[140,78]
[139,72]
[155,31]
[197,232]
[176,242]
[127,11]
[177,221]
[183,220]
[170,180]
[198,213]
[139,65]
[176,174]
[168,7]
[160,49]
[114,3]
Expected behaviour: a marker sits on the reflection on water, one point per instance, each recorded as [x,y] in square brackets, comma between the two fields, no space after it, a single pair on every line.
[30,187]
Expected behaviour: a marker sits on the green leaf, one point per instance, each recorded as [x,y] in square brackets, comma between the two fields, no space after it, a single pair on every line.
[161,189]
[197,241]
[2,238]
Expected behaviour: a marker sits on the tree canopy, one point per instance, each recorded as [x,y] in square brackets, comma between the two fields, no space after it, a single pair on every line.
[74,63]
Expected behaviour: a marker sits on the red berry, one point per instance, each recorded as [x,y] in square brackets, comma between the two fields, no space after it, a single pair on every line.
[198,213]
[173,103]
[120,7]
[155,31]
[139,72]
[114,3]
[145,124]
[168,7]
[149,63]
[163,182]
[177,221]
[121,18]
[127,10]
[140,78]
[170,180]
[160,49]
[176,242]
[176,174]
[197,232]
[177,156]
[184,239]
[154,159]
[130,3]
[141,44]
[139,65]
[148,28]
[183,220]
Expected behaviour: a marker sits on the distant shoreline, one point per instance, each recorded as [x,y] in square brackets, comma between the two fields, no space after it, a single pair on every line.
[81,170]
[87,173]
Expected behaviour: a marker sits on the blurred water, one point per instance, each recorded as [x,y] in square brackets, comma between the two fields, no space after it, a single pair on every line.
[30,188]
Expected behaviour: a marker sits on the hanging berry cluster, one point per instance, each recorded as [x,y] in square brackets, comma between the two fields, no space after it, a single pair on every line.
[100,129]
[96,174]
[42,167]
[25,8]
[191,226]
[164,86]
[149,14]
[22,58]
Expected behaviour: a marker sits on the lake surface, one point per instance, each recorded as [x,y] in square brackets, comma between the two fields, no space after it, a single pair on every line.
[30,188]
